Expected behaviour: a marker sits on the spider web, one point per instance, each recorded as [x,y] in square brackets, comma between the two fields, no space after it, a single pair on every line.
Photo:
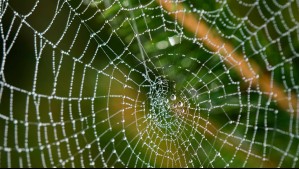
[137,84]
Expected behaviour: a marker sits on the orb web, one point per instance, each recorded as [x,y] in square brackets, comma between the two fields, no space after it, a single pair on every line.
[149,83]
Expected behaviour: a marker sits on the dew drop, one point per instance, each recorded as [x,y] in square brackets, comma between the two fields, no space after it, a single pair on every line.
[180,104]
[174,106]
[172,97]
[193,92]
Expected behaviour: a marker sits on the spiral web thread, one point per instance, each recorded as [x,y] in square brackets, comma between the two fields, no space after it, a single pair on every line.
[126,84]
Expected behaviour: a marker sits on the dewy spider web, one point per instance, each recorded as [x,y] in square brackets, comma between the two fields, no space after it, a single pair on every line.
[102,83]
